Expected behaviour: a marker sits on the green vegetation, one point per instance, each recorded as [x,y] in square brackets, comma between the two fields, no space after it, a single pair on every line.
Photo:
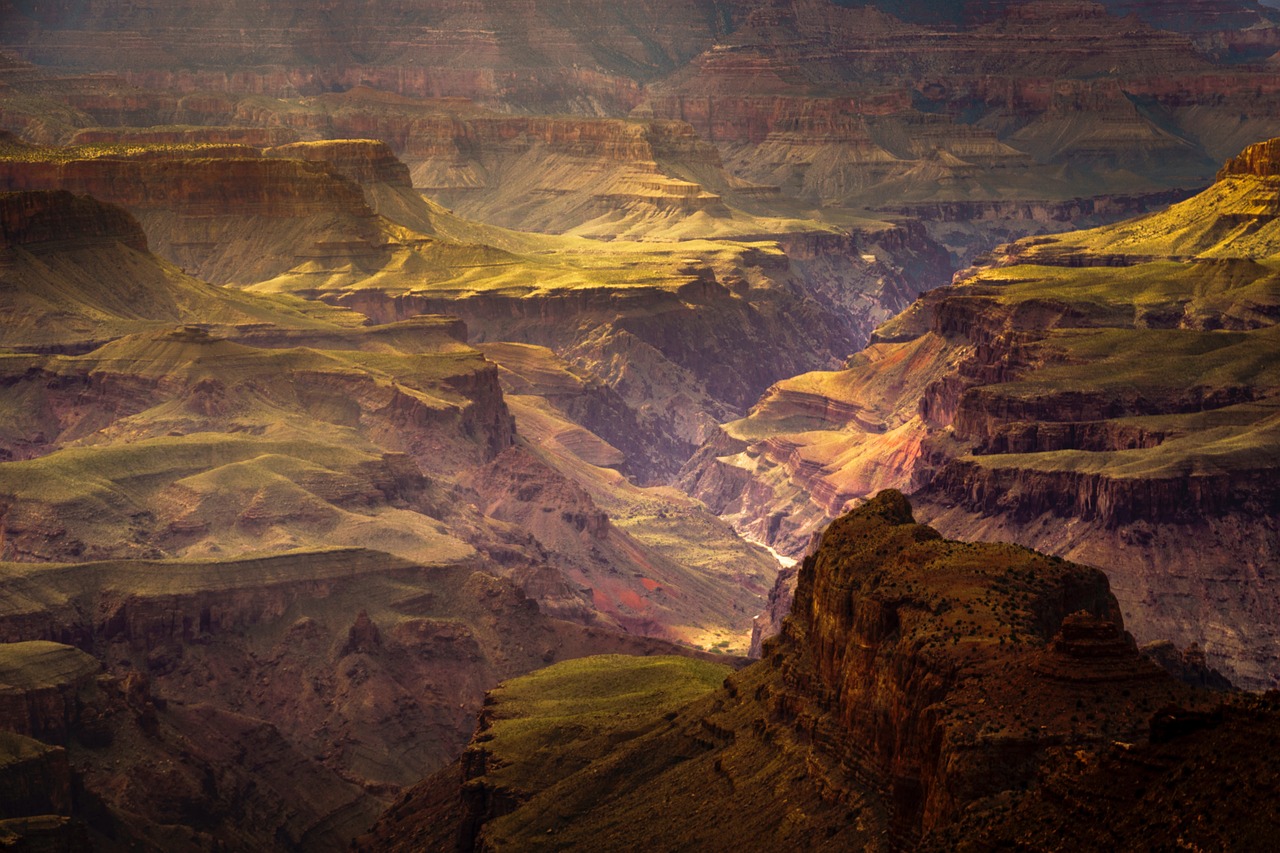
[14,150]
[552,722]
[38,664]
[16,749]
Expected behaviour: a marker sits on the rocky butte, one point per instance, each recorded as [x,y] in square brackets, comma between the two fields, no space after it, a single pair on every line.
[924,694]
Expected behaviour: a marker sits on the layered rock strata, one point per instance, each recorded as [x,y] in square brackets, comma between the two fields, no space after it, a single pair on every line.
[1104,395]
[564,58]
[924,693]
[282,544]
[338,221]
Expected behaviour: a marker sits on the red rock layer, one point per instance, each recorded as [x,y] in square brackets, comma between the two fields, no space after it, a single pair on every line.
[364,161]
[49,221]
[247,185]
[1261,159]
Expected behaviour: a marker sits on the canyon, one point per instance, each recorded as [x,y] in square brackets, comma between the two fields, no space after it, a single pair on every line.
[1104,395]
[265,520]
[358,360]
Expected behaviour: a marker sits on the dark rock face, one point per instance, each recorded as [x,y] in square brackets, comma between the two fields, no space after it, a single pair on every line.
[50,221]
[923,693]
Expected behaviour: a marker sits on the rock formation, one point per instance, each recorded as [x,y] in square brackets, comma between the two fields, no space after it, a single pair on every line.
[1104,396]
[339,221]
[924,693]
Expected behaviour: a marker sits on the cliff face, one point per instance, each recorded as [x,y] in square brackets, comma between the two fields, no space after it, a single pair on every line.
[560,57]
[46,221]
[923,691]
[1025,402]
[851,106]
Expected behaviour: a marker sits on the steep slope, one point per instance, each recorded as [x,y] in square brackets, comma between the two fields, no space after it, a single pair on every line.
[1108,396]
[924,692]
[280,527]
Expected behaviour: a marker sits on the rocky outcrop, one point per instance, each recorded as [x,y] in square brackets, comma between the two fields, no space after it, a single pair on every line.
[364,161]
[1261,160]
[923,691]
[52,220]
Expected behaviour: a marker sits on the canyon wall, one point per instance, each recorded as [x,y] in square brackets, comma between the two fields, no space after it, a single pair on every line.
[923,692]
[1035,400]
[292,550]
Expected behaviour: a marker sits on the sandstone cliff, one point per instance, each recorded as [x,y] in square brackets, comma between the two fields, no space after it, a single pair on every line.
[924,693]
